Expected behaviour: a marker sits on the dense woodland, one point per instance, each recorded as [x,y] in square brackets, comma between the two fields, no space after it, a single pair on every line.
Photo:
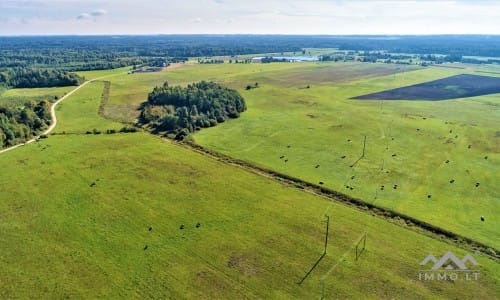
[18,124]
[177,111]
[36,78]
[74,53]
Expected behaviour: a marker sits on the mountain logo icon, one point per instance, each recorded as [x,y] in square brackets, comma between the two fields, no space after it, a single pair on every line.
[449,261]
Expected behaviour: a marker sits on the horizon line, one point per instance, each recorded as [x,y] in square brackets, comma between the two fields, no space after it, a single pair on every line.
[255,34]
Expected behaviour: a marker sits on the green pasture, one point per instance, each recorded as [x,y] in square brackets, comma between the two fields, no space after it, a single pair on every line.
[321,125]
[408,142]
[76,213]
[18,97]
[80,114]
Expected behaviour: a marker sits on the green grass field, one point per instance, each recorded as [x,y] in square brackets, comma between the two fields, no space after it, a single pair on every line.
[62,236]
[322,125]
[408,144]
[18,97]
[75,209]
[81,113]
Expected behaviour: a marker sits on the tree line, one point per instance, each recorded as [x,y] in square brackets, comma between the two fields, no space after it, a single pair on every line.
[176,111]
[18,124]
[74,53]
[36,78]
[80,53]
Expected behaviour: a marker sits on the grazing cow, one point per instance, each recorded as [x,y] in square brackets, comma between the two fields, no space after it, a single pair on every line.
[447,161]
[321,182]
[182,226]
[150,228]
[92,184]
[317,166]
[146,247]
[198,225]
[452,180]
[281,157]
[429,196]
[482,218]
[477,184]
[394,155]
[286,160]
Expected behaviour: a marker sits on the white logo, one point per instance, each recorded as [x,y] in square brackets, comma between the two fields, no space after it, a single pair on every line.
[449,267]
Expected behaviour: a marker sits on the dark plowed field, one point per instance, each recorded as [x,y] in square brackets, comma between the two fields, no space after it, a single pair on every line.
[459,86]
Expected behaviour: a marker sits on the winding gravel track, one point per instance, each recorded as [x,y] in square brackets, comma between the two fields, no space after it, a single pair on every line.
[52,116]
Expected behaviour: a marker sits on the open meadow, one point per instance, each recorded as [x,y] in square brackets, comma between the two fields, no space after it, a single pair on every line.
[135,216]
[18,97]
[437,161]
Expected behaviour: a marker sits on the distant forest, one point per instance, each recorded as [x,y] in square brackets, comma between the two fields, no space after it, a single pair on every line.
[36,78]
[74,53]
[177,111]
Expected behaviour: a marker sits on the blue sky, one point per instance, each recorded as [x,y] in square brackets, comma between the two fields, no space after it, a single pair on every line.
[33,17]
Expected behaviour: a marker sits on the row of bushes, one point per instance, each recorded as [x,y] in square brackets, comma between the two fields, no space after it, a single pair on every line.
[125,129]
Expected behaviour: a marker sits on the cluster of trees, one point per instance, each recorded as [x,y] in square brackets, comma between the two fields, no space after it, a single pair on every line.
[397,58]
[270,59]
[177,111]
[18,124]
[210,61]
[35,78]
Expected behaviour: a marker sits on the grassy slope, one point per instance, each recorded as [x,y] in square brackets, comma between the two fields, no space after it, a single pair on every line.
[60,237]
[318,122]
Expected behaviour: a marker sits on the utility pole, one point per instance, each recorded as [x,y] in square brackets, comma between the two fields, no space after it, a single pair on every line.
[326,236]
[364,147]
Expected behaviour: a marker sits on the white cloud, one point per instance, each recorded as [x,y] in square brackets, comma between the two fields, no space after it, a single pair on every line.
[83,16]
[257,16]
[99,12]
